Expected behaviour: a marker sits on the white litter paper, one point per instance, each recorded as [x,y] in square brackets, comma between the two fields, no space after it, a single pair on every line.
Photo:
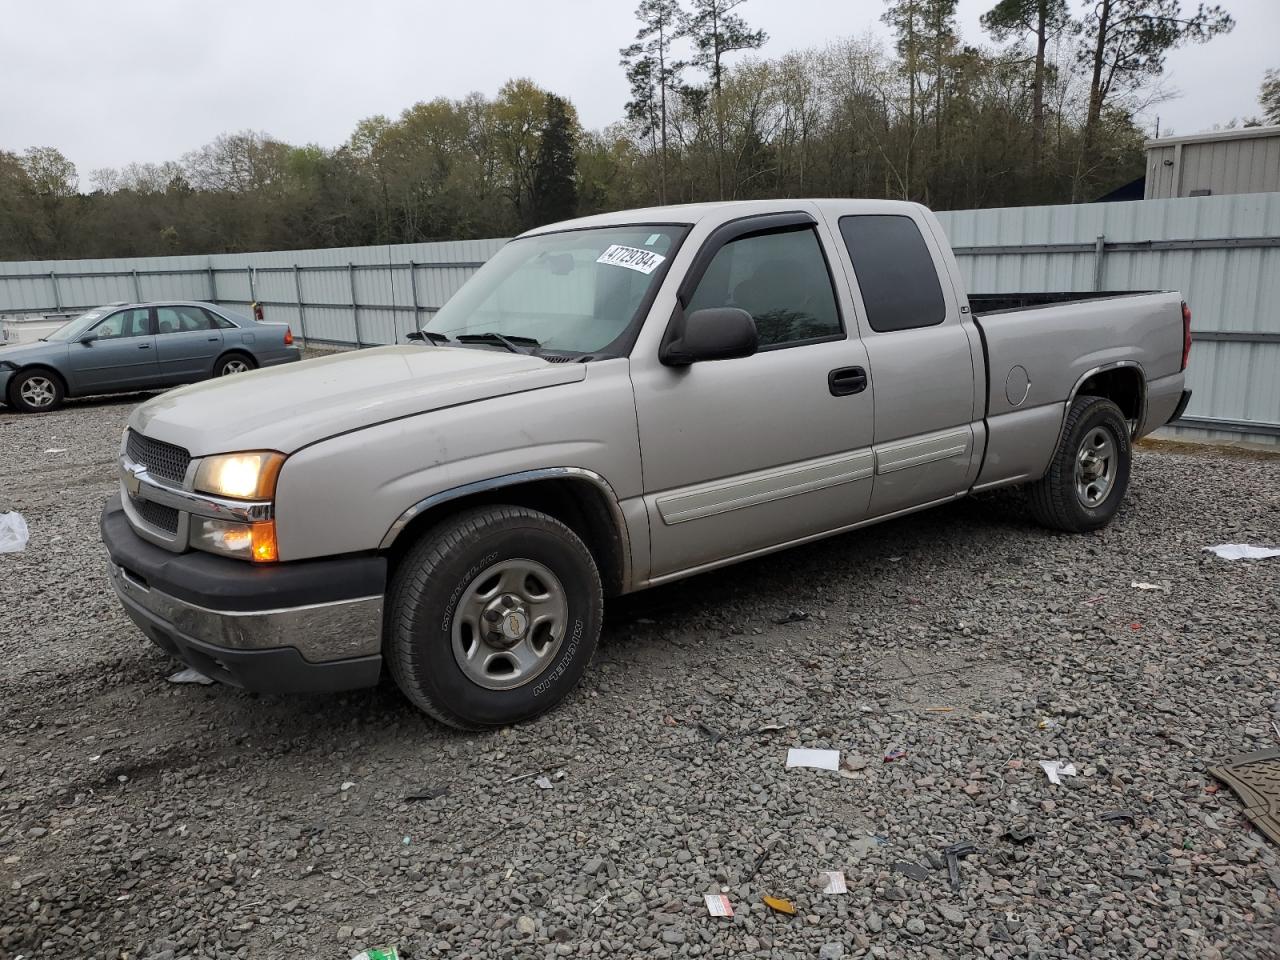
[1055,770]
[1243,551]
[833,882]
[718,905]
[821,759]
[1143,585]
[190,675]
[633,258]
[543,783]
[13,533]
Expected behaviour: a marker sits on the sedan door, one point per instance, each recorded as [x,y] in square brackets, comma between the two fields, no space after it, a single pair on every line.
[746,454]
[187,341]
[118,353]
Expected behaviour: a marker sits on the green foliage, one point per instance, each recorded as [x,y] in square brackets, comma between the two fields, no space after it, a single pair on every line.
[1269,96]
[555,188]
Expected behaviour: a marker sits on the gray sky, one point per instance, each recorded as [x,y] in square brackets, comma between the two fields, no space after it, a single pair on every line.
[148,80]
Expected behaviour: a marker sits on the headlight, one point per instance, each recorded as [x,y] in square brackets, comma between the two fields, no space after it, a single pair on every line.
[245,541]
[242,476]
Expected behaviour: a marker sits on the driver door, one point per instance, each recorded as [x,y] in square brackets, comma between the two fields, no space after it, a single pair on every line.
[118,353]
[745,454]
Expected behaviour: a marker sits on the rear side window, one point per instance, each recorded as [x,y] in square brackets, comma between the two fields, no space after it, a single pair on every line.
[219,322]
[896,275]
[781,279]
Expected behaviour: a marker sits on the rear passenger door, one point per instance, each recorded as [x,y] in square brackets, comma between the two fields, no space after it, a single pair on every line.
[187,343]
[922,360]
[744,454]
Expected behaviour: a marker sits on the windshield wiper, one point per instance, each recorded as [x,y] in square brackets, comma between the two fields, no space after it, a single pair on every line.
[429,335]
[510,342]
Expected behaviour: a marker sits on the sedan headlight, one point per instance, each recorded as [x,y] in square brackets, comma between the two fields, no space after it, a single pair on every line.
[238,476]
[241,476]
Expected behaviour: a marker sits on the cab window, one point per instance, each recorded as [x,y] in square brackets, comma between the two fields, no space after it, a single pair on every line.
[781,279]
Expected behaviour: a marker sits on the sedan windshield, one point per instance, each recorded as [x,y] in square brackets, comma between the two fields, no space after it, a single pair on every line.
[576,291]
[73,328]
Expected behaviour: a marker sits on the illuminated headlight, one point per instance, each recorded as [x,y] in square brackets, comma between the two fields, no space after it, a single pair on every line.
[245,541]
[241,476]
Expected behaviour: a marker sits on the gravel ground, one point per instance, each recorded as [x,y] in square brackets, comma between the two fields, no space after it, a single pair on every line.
[142,819]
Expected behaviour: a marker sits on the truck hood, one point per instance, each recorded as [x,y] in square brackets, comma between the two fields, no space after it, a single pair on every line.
[288,407]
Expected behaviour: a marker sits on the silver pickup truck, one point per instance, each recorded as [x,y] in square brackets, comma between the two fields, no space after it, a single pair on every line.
[608,404]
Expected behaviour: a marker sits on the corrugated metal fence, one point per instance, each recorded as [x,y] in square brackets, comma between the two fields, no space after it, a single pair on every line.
[347,295]
[1223,253]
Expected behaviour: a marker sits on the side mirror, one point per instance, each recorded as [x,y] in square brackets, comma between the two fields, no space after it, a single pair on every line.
[717,333]
[88,339]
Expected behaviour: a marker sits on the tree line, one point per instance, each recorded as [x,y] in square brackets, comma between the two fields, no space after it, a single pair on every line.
[1041,110]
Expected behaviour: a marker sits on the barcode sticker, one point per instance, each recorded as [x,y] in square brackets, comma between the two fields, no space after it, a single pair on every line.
[633,258]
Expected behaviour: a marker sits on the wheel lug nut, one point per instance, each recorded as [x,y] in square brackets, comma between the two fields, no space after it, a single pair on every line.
[492,616]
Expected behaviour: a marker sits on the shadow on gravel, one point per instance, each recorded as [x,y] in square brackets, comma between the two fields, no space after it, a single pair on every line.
[81,403]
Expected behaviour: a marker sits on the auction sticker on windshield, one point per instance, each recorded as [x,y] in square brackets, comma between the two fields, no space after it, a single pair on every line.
[633,258]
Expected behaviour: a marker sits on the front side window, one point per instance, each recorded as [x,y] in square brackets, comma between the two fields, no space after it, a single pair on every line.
[781,279]
[125,323]
[895,272]
[576,291]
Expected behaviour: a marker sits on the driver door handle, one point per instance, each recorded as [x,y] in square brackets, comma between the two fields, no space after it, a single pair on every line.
[144,346]
[847,380]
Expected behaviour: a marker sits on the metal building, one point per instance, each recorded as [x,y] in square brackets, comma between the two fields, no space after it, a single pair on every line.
[1211,164]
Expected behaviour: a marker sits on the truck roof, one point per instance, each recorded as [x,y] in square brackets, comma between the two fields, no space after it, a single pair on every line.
[691,213]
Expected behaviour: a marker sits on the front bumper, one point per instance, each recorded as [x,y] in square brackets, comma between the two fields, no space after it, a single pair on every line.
[309,626]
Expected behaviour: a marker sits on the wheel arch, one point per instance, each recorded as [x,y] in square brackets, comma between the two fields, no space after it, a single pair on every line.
[580,499]
[1124,383]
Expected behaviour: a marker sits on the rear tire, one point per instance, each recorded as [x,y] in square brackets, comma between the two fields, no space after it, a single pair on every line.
[1089,473]
[36,391]
[493,617]
[232,363]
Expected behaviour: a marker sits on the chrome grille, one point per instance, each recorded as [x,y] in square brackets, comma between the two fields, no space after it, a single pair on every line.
[163,460]
[157,514]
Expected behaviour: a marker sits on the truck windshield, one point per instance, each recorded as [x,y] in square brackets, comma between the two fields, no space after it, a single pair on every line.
[575,291]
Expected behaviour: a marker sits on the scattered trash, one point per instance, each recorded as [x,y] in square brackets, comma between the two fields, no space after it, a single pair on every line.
[953,854]
[764,855]
[938,709]
[13,533]
[1019,834]
[916,871]
[1092,600]
[1254,778]
[1117,816]
[795,616]
[1243,551]
[833,882]
[778,905]
[711,733]
[406,841]
[427,793]
[378,953]
[1055,770]
[56,450]
[191,675]
[1047,723]
[771,728]
[543,782]
[820,759]
[1143,585]
[348,785]
[718,905]
[894,753]
[894,559]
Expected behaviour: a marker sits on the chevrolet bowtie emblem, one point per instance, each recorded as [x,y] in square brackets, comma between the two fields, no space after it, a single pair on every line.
[132,478]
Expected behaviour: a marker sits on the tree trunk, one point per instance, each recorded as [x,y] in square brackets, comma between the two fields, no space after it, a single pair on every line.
[662,98]
[1095,85]
[1037,90]
[715,52]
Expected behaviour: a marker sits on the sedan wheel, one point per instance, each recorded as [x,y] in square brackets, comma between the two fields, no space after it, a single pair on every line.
[35,392]
[233,365]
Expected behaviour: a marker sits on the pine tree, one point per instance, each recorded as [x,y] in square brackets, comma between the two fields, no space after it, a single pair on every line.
[1269,96]
[555,185]
[653,74]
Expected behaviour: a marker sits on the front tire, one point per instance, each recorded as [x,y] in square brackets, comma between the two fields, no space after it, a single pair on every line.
[1089,473]
[493,617]
[35,391]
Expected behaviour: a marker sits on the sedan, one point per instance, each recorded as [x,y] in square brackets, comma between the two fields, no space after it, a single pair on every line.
[138,346]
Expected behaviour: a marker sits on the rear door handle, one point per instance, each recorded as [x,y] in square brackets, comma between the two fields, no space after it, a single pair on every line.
[847,380]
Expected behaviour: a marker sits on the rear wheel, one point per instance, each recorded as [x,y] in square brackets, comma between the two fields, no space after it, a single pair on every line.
[233,363]
[494,616]
[35,391]
[1089,473]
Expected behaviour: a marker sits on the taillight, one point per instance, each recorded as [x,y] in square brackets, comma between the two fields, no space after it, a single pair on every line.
[1186,334]
[288,340]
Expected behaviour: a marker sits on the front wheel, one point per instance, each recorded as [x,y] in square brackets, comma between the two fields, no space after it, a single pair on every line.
[35,391]
[494,616]
[1089,473]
